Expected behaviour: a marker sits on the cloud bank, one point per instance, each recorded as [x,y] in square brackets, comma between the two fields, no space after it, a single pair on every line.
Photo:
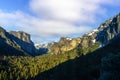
[55,18]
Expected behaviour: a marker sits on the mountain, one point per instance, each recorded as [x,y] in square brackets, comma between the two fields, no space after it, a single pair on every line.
[94,56]
[24,41]
[19,43]
[64,45]
[109,30]
[105,33]
[41,49]
[101,64]
[15,43]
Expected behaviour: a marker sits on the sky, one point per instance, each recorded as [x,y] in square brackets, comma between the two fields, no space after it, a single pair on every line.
[48,20]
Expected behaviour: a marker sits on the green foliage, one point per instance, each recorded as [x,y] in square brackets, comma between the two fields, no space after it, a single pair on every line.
[19,67]
[89,66]
[74,65]
[84,51]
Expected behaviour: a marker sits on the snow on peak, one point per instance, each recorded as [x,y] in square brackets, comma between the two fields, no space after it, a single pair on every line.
[94,40]
[67,38]
[91,33]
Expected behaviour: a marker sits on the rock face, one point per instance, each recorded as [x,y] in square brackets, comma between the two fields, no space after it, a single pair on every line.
[109,30]
[7,44]
[21,35]
[2,32]
[25,41]
[67,44]
[64,45]
[105,33]
[16,41]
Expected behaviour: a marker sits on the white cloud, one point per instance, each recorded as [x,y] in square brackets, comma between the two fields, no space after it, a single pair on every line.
[69,10]
[56,18]
[39,27]
[65,10]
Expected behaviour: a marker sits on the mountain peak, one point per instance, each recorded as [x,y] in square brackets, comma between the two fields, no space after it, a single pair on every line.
[21,35]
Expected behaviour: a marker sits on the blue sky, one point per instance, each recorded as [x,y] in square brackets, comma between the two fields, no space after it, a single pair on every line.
[48,20]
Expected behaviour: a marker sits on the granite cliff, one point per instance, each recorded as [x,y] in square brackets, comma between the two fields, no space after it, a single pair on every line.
[25,41]
[8,45]
[14,42]
[105,33]
[109,30]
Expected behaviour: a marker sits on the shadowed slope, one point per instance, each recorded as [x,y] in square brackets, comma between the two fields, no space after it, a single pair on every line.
[86,67]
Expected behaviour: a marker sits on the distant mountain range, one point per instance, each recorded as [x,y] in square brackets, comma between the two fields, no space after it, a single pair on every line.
[105,33]
[94,56]
[19,42]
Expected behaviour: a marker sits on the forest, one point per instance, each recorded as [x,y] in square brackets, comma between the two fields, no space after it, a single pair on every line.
[28,67]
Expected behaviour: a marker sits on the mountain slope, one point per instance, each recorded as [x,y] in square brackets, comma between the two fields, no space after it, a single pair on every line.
[105,33]
[84,58]
[24,41]
[69,66]
[109,30]
[12,45]
[102,64]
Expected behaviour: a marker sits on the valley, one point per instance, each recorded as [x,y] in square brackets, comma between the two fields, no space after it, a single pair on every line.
[93,56]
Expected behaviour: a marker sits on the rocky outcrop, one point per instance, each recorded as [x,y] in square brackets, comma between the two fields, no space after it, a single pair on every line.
[109,30]
[105,33]
[8,46]
[24,41]
[67,44]
[2,32]
[8,38]
[16,41]
[64,45]
[87,41]
[21,35]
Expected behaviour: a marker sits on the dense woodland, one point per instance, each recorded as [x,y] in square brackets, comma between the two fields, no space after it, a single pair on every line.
[28,67]
[77,64]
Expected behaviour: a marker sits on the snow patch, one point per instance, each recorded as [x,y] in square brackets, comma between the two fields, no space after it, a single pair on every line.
[94,40]
[95,30]
[68,38]
[101,26]
[91,33]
